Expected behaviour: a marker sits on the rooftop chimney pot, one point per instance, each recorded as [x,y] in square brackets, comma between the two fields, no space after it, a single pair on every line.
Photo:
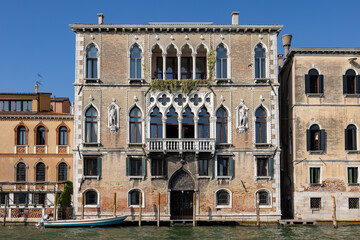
[100,18]
[235,18]
[286,39]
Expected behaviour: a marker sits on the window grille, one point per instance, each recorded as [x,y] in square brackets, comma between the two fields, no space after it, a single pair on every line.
[315,203]
[353,203]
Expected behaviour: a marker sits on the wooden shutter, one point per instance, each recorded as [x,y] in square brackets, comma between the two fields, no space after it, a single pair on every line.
[271,166]
[99,166]
[307,84]
[127,166]
[321,83]
[232,167]
[358,84]
[308,140]
[322,140]
[346,139]
[143,165]
[344,84]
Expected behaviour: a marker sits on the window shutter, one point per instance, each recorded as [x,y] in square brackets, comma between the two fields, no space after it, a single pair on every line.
[127,166]
[211,167]
[344,84]
[143,165]
[358,84]
[321,83]
[322,139]
[232,167]
[271,167]
[220,167]
[308,140]
[307,84]
[99,166]
[346,139]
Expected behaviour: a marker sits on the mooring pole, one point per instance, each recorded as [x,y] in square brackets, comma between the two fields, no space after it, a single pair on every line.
[158,211]
[82,206]
[55,202]
[333,207]
[194,209]
[140,203]
[6,200]
[257,210]
[115,204]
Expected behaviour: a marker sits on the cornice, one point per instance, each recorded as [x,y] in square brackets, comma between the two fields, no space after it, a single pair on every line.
[35,117]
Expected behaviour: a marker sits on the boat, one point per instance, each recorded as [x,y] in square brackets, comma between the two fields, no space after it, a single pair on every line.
[98,222]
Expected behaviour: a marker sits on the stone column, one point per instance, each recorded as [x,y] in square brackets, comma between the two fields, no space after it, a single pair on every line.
[212,127]
[179,65]
[164,126]
[194,65]
[196,125]
[180,127]
[164,65]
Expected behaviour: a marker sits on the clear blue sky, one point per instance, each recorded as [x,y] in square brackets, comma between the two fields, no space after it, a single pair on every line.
[35,36]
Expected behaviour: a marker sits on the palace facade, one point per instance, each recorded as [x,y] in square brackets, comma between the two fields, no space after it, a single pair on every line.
[213,132]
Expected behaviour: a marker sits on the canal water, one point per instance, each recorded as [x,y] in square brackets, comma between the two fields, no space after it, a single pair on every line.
[183,232]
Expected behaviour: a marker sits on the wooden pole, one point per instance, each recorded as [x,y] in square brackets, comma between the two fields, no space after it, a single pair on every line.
[333,207]
[114,204]
[82,206]
[194,209]
[140,204]
[257,210]
[158,211]
[55,202]
[6,200]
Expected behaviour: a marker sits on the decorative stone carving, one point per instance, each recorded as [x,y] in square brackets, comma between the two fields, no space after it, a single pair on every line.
[182,181]
[242,119]
[113,116]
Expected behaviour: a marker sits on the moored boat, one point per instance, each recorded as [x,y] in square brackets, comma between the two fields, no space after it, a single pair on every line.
[99,222]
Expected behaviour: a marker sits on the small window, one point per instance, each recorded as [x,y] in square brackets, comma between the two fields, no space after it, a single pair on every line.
[157,167]
[350,138]
[91,125]
[221,61]
[259,61]
[21,198]
[63,136]
[262,167]
[135,62]
[40,172]
[353,203]
[264,198]
[21,172]
[39,198]
[203,167]
[92,166]
[315,175]
[91,197]
[260,125]
[221,125]
[222,198]
[4,197]
[91,61]
[134,198]
[352,175]
[62,172]
[225,166]
[135,167]
[40,136]
[135,125]
[315,203]
[315,138]
[314,82]
[21,135]
[351,82]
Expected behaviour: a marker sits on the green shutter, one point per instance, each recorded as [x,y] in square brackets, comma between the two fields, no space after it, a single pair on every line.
[99,166]
[346,140]
[127,166]
[211,168]
[321,83]
[358,84]
[311,175]
[355,175]
[317,175]
[308,140]
[143,165]
[232,167]
[307,84]
[220,166]
[344,84]
[322,140]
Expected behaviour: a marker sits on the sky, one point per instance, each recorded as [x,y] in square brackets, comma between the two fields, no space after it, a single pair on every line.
[35,37]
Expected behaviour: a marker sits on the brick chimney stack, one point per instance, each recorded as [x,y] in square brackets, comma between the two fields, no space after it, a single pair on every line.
[235,18]
[100,18]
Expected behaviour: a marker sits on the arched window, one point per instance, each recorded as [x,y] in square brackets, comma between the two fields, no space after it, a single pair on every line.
[221,61]
[204,124]
[172,125]
[314,82]
[221,125]
[134,198]
[135,62]
[91,197]
[40,172]
[63,137]
[62,172]
[259,61]
[21,172]
[91,61]
[91,125]
[260,125]
[40,136]
[21,135]
[351,82]
[135,125]
[188,128]
[350,138]
[156,130]
[223,198]
[264,198]
[315,138]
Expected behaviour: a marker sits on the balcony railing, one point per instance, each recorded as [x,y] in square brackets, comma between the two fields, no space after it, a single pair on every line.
[180,145]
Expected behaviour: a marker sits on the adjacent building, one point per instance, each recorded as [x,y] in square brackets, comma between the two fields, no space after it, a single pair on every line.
[35,153]
[148,120]
[320,94]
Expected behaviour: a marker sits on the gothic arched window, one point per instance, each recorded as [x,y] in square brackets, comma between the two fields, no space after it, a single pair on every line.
[221,61]
[135,61]
[91,62]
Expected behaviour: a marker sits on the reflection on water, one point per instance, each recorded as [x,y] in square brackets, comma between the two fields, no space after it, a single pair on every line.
[201,232]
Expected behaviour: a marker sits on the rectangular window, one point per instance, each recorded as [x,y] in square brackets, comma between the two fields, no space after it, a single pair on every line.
[3,197]
[157,167]
[315,175]
[90,166]
[223,166]
[352,175]
[203,167]
[200,68]
[135,167]
[262,166]
[315,203]
[353,203]
[20,198]
[39,198]
[6,106]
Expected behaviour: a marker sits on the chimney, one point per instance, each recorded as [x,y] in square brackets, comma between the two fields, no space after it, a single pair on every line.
[36,87]
[286,39]
[100,18]
[280,60]
[235,18]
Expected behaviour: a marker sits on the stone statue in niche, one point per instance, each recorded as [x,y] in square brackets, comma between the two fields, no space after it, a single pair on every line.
[113,114]
[243,117]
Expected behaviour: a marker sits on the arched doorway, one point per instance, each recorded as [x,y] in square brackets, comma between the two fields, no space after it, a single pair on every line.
[181,195]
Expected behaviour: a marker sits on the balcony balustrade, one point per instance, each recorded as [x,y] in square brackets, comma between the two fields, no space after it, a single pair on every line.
[180,145]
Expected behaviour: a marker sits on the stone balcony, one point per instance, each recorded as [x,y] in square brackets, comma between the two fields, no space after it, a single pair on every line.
[196,145]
